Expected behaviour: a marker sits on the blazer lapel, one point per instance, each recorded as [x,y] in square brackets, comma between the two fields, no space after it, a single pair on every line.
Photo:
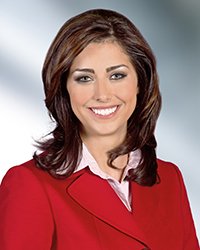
[97,196]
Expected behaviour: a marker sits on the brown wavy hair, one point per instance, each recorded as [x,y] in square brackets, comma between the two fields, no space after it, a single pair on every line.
[62,151]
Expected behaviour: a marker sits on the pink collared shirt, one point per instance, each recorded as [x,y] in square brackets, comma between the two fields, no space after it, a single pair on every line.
[121,188]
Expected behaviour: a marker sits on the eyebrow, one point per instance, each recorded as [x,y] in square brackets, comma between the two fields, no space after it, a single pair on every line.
[115,67]
[84,70]
[111,68]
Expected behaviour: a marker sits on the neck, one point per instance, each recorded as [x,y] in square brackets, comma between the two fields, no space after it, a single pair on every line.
[99,146]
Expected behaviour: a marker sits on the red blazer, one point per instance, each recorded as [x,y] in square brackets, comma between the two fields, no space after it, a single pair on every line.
[39,212]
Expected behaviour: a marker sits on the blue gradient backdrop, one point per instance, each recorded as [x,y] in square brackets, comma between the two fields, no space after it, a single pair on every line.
[172,27]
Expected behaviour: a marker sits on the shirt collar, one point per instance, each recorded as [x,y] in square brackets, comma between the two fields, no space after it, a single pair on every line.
[88,160]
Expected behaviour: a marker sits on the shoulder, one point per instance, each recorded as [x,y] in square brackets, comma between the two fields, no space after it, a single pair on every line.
[23,181]
[20,173]
[26,183]
[169,173]
[25,208]
[167,168]
[28,177]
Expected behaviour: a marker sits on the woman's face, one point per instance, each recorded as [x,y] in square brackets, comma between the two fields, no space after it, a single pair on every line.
[103,87]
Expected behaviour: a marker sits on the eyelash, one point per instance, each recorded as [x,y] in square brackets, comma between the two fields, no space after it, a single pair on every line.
[87,79]
[117,76]
[83,79]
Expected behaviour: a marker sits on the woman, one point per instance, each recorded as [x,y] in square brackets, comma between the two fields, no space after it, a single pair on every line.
[98,184]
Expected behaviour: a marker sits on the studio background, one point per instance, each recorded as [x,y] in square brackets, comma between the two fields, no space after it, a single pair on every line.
[172,28]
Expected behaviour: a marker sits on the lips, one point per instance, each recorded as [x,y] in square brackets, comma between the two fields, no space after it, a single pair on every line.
[104,111]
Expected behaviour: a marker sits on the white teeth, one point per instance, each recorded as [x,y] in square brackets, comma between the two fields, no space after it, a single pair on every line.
[104,111]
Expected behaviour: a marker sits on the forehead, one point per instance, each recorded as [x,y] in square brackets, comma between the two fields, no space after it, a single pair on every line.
[101,53]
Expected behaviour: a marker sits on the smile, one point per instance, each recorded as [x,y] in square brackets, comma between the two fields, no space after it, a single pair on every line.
[104,111]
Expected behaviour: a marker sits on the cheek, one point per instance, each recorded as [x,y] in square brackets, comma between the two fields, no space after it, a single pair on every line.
[78,97]
[129,93]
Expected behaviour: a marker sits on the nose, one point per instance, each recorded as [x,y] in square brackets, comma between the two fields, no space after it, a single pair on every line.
[102,91]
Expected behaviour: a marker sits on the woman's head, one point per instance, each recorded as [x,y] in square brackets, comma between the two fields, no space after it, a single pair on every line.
[96,26]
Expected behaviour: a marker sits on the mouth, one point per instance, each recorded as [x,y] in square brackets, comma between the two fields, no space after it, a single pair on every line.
[104,112]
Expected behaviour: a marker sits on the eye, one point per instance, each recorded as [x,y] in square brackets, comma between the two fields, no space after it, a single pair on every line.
[118,76]
[83,79]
